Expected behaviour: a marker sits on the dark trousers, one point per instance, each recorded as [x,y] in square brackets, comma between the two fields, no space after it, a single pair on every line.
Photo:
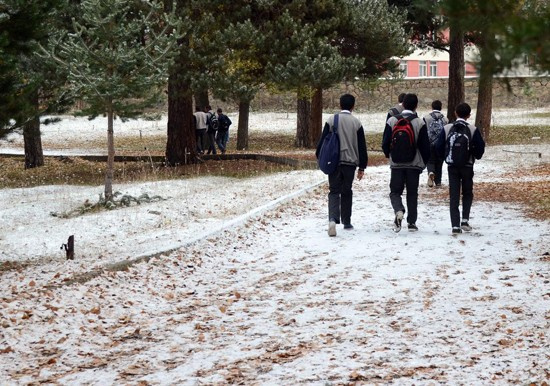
[199,136]
[211,141]
[340,194]
[401,179]
[435,166]
[221,140]
[460,178]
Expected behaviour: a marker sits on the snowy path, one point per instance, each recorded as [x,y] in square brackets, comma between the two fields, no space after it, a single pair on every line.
[277,301]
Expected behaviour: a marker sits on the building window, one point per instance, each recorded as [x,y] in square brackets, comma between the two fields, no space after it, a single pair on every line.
[403,68]
[422,68]
[433,68]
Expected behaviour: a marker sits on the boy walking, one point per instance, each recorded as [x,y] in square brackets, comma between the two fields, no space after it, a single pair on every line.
[406,144]
[460,144]
[353,154]
[435,121]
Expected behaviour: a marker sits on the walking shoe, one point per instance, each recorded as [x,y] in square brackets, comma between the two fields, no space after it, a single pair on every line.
[465,226]
[397,221]
[348,226]
[456,230]
[412,227]
[332,228]
[431,178]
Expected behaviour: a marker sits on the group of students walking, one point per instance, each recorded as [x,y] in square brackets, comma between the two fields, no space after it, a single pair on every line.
[213,127]
[411,144]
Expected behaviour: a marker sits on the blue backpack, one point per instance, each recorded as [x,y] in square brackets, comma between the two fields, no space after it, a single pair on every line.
[329,156]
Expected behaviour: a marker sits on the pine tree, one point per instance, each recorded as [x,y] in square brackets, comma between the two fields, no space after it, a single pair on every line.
[117,61]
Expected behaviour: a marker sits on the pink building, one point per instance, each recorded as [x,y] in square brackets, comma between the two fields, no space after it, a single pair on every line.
[433,64]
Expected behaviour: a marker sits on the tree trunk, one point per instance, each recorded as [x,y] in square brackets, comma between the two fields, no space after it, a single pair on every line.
[456,71]
[303,122]
[181,141]
[485,94]
[110,154]
[316,124]
[242,130]
[201,99]
[34,157]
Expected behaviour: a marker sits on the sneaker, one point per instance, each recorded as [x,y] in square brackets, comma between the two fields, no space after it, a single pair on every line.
[412,227]
[465,226]
[348,226]
[332,228]
[431,178]
[457,230]
[397,221]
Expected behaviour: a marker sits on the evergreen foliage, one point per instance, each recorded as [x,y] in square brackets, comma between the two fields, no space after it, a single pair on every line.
[116,56]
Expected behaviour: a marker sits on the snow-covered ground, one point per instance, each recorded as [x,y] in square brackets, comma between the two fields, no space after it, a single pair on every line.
[253,291]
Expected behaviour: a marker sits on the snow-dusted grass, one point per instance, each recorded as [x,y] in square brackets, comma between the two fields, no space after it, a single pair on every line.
[61,134]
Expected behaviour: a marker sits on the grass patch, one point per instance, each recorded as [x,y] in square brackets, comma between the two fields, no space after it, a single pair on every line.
[519,135]
[76,171]
[541,115]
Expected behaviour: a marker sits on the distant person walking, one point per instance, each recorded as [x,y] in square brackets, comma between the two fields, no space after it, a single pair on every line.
[223,128]
[460,144]
[398,108]
[406,144]
[435,121]
[212,125]
[200,128]
[353,155]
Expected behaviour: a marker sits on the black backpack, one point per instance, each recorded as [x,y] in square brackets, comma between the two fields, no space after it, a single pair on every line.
[329,155]
[457,147]
[403,145]
[212,122]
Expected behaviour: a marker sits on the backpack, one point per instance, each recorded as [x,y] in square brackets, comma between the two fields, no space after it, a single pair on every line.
[212,122]
[329,155]
[402,145]
[457,147]
[435,127]
[393,112]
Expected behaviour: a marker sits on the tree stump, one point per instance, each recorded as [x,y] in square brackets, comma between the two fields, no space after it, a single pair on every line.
[69,248]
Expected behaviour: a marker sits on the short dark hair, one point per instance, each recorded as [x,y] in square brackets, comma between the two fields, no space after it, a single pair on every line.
[347,102]
[437,105]
[197,108]
[463,110]
[219,110]
[410,102]
[401,97]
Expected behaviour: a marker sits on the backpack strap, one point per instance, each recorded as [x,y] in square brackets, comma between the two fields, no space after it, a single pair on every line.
[335,123]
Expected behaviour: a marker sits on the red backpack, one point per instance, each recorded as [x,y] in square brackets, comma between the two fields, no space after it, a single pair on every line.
[403,145]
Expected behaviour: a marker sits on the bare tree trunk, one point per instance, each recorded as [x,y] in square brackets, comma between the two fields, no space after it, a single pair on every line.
[34,157]
[456,71]
[303,122]
[316,124]
[242,130]
[181,141]
[485,92]
[110,154]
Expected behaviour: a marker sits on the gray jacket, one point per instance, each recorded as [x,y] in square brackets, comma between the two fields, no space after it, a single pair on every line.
[353,148]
